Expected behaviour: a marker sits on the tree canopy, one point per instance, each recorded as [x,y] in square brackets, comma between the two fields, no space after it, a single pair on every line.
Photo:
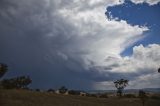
[18,82]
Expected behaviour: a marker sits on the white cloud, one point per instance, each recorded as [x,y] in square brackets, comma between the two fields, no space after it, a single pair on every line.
[150,2]
[142,58]
[146,81]
[95,33]
[141,68]
[143,81]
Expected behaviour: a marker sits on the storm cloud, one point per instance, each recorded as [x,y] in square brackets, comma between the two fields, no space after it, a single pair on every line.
[71,43]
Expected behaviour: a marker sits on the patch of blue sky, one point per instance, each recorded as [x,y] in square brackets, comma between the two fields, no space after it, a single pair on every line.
[139,14]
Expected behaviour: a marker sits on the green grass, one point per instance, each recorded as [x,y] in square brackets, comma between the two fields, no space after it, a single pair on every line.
[32,98]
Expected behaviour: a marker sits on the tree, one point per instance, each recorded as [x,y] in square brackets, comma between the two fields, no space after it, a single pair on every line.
[18,82]
[142,96]
[23,81]
[159,70]
[120,85]
[3,69]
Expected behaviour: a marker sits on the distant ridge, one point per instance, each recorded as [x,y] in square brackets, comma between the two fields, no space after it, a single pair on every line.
[152,90]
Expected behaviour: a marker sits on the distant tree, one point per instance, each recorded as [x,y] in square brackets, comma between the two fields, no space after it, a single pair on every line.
[142,96]
[63,89]
[120,85]
[3,69]
[23,81]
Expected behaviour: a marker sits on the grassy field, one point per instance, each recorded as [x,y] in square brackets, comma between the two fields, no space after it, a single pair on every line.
[32,98]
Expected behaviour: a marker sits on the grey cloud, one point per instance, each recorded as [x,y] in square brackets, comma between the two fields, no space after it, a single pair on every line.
[36,40]
[25,42]
[31,38]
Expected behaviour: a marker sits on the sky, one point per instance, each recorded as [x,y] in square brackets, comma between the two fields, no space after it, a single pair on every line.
[81,44]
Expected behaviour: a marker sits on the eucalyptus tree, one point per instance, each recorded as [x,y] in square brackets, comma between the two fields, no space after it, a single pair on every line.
[20,82]
[120,85]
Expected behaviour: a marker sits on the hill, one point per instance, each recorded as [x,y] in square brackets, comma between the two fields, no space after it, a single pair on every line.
[32,98]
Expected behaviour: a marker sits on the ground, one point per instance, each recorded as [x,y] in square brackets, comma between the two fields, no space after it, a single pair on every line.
[33,98]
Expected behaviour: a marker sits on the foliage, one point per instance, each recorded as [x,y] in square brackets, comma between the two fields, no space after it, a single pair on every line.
[120,85]
[18,82]
[3,69]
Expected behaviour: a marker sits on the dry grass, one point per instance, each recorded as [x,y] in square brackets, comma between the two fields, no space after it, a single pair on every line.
[31,98]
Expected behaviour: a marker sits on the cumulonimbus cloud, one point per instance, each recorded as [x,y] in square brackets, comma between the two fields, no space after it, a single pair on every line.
[66,33]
